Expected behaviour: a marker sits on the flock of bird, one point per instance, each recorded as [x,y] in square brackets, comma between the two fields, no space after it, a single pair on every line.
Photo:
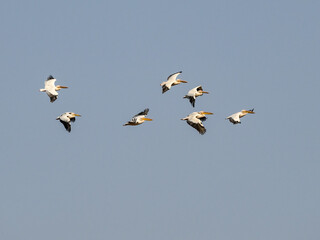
[194,119]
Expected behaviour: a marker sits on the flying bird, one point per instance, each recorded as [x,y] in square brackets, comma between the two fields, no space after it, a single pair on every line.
[171,81]
[195,120]
[66,118]
[139,118]
[51,89]
[193,93]
[235,118]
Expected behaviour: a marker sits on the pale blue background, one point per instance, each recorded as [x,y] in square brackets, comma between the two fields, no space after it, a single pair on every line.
[161,180]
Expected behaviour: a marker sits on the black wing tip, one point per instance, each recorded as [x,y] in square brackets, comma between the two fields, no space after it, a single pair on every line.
[52,99]
[164,89]
[203,132]
[192,101]
[203,118]
[50,77]
[233,121]
[176,72]
[146,111]
[201,129]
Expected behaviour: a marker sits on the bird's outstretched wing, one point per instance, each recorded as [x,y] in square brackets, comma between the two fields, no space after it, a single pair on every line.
[173,76]
[198,126]
[192,100]
[144,112]
[49,83]
[66,125]
[51,88]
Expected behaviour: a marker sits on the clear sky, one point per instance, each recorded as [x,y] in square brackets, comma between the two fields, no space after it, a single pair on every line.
[160,180]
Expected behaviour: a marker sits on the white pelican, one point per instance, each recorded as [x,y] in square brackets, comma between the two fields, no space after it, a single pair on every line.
[193,93]
[66,118]
[235,118]
[51,89]
[139,118]
[171,81]
[195,120]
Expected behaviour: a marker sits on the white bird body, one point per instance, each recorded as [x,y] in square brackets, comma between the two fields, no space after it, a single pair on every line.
[138,118]
[51,89]
[66,118]
[171,81]
[235,118]
[193,93]
[195,120]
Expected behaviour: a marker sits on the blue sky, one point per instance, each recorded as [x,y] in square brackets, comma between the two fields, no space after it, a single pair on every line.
[160,180]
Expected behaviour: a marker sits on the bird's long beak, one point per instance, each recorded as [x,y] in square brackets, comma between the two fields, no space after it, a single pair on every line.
[207,113]
[78,115]
[252,112]
[63,87]
[179,80]
[147,119]
[205,92]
